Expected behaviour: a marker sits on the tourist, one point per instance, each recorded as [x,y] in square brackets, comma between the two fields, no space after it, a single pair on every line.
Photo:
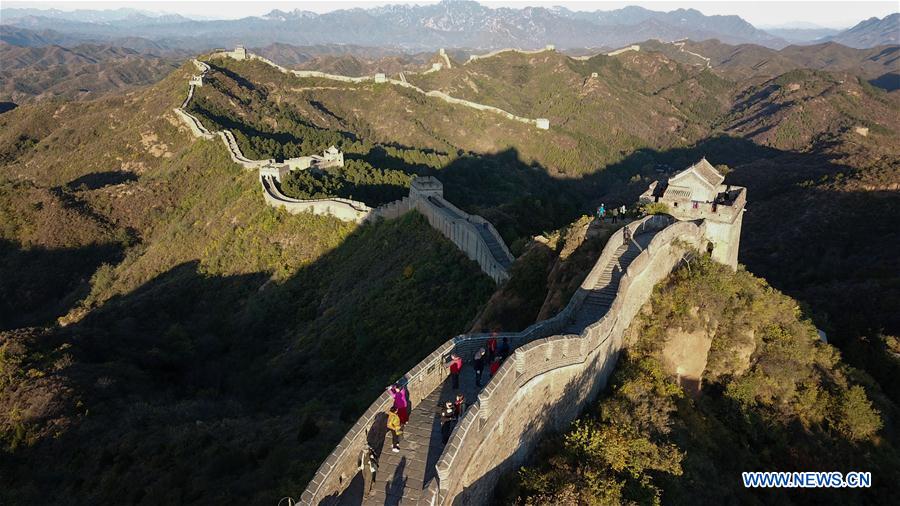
[369,458]
[601,212]
[393,425]
[492,346]
[626,235]
[504,349]
[615,214]
[455,366]
[448,421]
[495,366]
[459,405]
[478,365]
[622,212]
[400,402]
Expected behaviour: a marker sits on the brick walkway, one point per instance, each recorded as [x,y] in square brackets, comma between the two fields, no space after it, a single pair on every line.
[402,476]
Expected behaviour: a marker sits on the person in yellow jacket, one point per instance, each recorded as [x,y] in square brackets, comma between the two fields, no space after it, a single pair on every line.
[393,424]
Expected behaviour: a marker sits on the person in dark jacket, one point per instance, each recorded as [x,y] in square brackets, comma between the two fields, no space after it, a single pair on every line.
[448,421]
[478,365]
[459,405]
[503,350]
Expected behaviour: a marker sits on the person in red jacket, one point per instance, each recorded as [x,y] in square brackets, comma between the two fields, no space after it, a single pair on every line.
[495,366]
[455,367]
[492,346]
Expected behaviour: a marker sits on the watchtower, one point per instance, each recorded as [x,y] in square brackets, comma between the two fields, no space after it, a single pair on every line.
[697,193]
[423,187]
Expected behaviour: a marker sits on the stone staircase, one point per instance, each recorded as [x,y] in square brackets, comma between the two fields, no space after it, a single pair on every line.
[601,295]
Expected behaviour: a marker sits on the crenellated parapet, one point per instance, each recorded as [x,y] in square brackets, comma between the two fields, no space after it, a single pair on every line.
[547,381]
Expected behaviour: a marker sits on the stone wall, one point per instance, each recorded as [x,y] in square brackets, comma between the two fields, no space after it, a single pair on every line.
[342,209]
[237,156]
[339,468]
[547,382]
[469,233]
[197,128]
[476,57]
[455,224]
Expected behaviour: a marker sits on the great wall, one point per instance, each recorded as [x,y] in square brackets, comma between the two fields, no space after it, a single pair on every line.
[241,53]
[472,234]
[556,366]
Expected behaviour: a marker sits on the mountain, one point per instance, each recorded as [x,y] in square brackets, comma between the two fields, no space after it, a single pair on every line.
[802,35]
[17,36]
[83,71]
[871,32]
[880,64]
[449,23]
[162,296]
[290,55]
[168,338]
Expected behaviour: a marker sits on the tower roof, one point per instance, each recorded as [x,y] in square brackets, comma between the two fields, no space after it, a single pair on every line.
[704,171]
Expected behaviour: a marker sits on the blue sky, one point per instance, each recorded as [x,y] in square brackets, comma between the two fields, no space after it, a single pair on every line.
[835,14]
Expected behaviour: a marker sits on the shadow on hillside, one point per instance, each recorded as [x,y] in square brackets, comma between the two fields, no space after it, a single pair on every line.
[39,284]
[96,180]
[239,383]
[889,81]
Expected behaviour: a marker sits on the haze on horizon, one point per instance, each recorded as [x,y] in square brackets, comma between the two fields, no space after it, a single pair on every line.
[796,13]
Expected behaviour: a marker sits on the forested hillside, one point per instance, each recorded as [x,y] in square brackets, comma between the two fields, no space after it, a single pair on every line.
[165,337]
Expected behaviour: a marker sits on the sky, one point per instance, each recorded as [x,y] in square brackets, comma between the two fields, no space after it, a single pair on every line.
[761,13]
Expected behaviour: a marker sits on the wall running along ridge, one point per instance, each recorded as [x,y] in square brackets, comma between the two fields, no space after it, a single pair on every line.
[476,57]
[472,234]
[399,82]
[542,386]
[633,47]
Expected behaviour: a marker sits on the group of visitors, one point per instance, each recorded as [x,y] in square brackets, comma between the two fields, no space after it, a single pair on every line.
[492,354]
[614,214]
[450,413]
